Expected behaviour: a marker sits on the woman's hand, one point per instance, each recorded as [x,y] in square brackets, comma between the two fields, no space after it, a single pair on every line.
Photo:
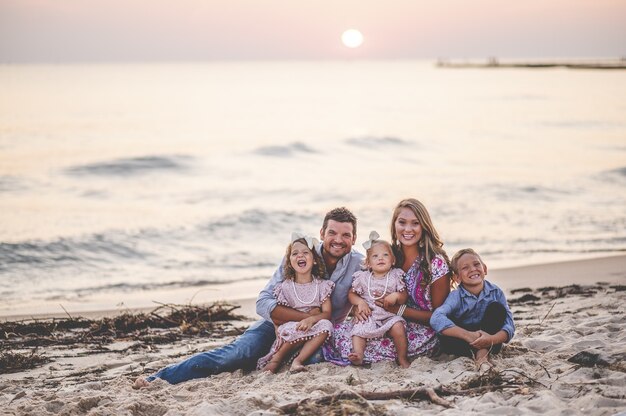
[391,299]
[388,308]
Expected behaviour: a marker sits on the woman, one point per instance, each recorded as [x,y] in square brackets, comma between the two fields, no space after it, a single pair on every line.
[419,252]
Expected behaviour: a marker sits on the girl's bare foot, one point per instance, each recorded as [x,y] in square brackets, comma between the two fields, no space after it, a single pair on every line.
[296,367]
[355,358]
[140,383]
[272,366]
[404,362]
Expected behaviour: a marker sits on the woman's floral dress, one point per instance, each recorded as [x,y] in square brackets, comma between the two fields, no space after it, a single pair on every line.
[422,339]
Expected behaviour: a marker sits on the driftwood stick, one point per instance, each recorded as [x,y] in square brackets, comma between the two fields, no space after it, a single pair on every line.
[550,310]
[411,394]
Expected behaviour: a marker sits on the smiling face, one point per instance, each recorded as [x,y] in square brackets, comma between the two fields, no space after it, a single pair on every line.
[380,259]
[407,227]
[337,239]
[301,259]
[470,272]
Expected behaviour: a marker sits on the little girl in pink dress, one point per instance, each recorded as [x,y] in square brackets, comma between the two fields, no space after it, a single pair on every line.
[303,291]
[380,282]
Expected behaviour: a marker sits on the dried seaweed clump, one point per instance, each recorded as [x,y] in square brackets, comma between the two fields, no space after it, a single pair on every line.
[166,323]
[11,362]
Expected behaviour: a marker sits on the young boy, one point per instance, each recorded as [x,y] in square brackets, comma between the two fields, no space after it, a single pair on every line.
[475,319]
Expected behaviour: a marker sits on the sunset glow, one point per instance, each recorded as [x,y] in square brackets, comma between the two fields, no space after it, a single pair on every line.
[352,38]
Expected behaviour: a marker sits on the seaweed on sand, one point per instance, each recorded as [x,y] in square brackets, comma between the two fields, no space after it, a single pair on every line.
[11,362]
[166,323]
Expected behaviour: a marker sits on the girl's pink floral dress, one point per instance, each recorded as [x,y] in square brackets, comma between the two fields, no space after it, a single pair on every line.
[309,295]
[381,320]
[422,338]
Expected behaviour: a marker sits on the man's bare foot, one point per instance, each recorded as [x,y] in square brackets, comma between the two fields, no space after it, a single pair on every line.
[404,362]
[140,383]
[355,358]
[272,366]
[296,367]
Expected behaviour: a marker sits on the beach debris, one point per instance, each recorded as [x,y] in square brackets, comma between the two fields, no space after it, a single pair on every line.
[521,290]
[357,403]
[524,299]
[12,362]
[614,362]
[166,323]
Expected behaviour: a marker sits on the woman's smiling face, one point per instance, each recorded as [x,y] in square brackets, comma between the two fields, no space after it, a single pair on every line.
[408,228]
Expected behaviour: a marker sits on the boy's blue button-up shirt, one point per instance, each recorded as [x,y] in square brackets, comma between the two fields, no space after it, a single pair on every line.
[465,308]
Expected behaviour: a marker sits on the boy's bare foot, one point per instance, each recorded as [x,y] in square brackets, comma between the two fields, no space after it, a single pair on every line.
[272,366]
[483,364]
[404,362]
[355,358]
[140,383]
[296,367]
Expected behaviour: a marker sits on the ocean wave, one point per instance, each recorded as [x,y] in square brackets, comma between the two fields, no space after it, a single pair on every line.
[537,192]
[259,221]
[132,166]
[64,251]
[10,183]
[285,151]
[135,287]
[214,244]
[583,124]
[621,172]
[376,142]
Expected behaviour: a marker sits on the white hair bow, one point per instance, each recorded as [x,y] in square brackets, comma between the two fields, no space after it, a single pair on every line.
[311,242]
[373,237]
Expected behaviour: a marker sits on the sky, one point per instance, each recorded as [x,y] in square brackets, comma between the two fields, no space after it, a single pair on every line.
[192,30]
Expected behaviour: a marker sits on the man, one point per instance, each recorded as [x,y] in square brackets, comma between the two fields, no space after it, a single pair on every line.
[338,235]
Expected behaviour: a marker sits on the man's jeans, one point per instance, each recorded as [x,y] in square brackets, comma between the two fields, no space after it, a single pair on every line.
[242,353]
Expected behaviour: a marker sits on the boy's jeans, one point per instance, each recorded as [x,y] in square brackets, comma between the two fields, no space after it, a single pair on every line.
[242,353]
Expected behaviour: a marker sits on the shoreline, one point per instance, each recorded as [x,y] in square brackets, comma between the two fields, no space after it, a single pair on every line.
[612,269]
[614,64]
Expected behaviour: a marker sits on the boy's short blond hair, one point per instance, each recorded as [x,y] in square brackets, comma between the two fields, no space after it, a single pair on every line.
[455,259]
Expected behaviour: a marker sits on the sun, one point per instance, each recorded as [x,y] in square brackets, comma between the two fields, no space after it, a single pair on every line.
[352,38]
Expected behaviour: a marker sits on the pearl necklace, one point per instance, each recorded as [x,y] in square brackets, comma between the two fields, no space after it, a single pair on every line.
[369,283]
[298,297]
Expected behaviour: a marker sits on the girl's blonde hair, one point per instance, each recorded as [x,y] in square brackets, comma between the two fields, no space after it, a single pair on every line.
[430,244]
[319,268]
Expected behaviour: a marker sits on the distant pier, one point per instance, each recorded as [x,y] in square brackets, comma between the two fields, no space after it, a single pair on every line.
[573,64]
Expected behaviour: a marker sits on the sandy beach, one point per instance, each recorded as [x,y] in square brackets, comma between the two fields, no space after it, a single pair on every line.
[567,357]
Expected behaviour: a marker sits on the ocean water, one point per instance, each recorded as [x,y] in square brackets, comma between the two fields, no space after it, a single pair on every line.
[130,181]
